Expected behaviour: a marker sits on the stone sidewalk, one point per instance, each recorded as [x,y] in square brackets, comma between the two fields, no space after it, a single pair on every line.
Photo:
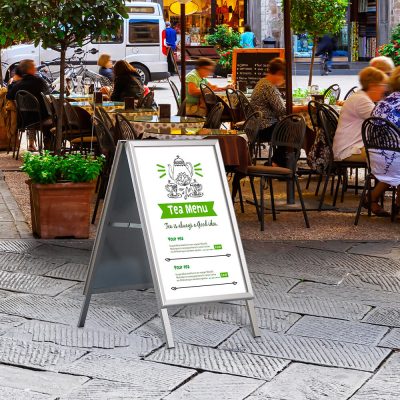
[329,313]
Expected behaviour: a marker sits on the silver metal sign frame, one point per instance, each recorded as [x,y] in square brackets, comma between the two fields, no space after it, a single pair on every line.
[123,256]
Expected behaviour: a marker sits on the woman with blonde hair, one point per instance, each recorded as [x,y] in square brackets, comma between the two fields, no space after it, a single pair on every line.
[105,64]
[127,82]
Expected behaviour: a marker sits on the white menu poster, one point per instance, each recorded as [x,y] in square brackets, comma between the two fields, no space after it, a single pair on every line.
[191,226]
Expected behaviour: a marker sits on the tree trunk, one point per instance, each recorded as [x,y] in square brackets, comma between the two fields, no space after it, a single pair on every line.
[59,133]
[310,76]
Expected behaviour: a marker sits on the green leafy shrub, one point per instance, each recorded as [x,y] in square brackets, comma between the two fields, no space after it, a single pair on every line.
[48,168]
[392,49]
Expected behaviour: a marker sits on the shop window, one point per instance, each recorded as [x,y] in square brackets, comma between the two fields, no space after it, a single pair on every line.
[144,31]
[115,38]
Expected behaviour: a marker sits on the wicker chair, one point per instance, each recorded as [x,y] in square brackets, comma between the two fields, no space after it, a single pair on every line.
[175,92]
[214,117]
[350,93]
[124,129]
[333,91]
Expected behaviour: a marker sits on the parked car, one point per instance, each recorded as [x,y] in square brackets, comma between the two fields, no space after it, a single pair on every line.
[140,41]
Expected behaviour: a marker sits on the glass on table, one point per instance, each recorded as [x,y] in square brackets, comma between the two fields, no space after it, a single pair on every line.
[86,85]
[229,79]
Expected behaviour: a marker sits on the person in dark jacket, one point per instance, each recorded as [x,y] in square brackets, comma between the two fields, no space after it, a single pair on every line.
[127,82]
[105,64]
[327,45]
[35,85]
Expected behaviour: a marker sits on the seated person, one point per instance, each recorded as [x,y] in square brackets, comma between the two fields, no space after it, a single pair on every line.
[17,76]
[106,66]
[35,85]
[267,99]
[385,64]
[194,101]
[386,165]
[127,82]
[347,143]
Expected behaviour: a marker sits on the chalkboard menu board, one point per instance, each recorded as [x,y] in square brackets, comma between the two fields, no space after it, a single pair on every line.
[250,65]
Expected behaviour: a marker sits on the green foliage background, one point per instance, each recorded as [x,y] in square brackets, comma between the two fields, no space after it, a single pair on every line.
[392,49]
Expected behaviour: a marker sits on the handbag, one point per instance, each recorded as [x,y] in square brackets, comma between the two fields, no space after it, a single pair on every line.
[318,157]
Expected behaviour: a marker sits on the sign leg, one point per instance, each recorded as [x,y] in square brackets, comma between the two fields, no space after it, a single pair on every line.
[253,318]
[167,328]
[84,311]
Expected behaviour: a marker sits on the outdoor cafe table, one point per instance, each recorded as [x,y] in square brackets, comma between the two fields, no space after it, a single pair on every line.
[76,97]
[107,105]
[152,123]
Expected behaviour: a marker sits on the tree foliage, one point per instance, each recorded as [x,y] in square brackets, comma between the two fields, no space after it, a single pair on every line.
[392,49]
[317,18]
[59,24]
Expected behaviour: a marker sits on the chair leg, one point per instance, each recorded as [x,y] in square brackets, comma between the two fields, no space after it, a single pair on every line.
[19,146]
[253,190]
[271,191]
[321,201]
[362,199]
[318,184]
[369,197]
[308,181]
[344,186]
[392,214]
[241,198]
[262,205]
[303,207]
[339,180]
[332,185]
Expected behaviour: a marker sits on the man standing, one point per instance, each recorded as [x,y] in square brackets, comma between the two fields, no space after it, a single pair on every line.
[170,41]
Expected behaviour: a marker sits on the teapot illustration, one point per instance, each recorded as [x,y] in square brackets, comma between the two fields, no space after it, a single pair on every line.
[180,172]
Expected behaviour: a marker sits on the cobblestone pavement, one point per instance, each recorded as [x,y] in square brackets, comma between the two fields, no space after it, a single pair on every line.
[329,313]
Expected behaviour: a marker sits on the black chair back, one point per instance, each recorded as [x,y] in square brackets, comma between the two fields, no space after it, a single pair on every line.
[182,109]
[289,133]
[245,104]
[106,119]
[380,134]
[251,128]
[147,101]
[313,113]
[175,91]
[214,118]
[105,139]
[350,93]
[332,93]
[209,97]
[49,105]
[125,130]
[329,121]
[71,117]
[28,109]
[235,105]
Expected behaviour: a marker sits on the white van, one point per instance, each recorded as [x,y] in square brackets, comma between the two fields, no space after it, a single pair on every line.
[140,42]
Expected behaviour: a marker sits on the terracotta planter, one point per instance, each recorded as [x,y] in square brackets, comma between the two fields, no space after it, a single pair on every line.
[61,209]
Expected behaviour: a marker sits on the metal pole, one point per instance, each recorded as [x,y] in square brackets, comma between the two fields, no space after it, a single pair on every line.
[288,55]
[183,52]
[213,15]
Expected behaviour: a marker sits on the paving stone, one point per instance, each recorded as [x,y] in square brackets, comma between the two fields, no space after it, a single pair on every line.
[201,333]
[383,316]
[18,394]
[38,381]
[357,295]
[18,246]
[373,282]
[382,249]
[98,389]
[8,322]
[61,252]
[277,321]
[309,305]
[311,382]
[338,246]
[24,283]
[86,244]
[143,373]
[8,230]
[24,263]
[67,311]
[210,386]
[36,355]
[220,361]
[391,340]
[70,271]
[384,384]
[273,283]
[311,350]
[338,330]
[70,336]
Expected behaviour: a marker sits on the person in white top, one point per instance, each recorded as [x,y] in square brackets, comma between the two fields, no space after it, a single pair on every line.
[385,64]
[347,143]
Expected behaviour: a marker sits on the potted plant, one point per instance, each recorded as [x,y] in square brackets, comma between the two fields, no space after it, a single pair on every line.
[224,40]
[61,190]
[392,49]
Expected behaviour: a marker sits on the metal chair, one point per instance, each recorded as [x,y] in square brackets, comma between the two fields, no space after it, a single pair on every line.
[30,119]
[288,133]
[211,99]
[333,92]
[251,128]
[378,135]
[245,104]
[125,130]
[214,117]
[235,106]
[182,109]
[175,92]
[146,101]
[107,148]
[350,93]
[105,117]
